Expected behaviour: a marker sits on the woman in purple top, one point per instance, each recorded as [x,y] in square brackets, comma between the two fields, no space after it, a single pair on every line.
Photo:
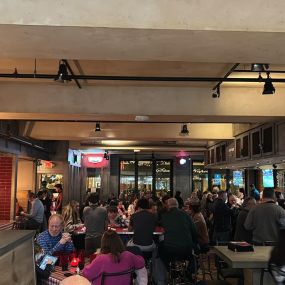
[113,258]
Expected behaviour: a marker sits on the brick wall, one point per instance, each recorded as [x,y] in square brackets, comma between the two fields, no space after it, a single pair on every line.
[5,187]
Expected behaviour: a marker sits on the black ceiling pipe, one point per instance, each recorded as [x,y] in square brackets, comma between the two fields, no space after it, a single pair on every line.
[140,78]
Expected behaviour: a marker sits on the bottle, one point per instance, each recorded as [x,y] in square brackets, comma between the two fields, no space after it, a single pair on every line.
[77,270]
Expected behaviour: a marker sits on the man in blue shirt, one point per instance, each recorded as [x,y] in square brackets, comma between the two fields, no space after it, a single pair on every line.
[254,193]
[53,240]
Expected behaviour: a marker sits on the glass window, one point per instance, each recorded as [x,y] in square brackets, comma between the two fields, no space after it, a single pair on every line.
[163,174]
[200,176]
[127,177]
[145,176]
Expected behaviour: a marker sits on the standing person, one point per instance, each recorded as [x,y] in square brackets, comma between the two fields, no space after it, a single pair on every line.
[45,199]
[179,199]
[34,219]
[221,218]
[199,221]
[58,202]
[71,218]
[95,220]
[241,234]
[264,219]
[254,192]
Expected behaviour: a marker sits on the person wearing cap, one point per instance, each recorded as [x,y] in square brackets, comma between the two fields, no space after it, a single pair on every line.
[264,219]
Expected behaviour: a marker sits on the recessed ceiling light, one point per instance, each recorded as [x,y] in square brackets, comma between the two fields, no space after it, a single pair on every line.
[137,150]
[141,118]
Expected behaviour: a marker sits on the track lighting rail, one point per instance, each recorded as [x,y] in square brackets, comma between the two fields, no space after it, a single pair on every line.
[138,78]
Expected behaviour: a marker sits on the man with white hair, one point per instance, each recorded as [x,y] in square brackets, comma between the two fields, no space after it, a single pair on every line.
[180,235]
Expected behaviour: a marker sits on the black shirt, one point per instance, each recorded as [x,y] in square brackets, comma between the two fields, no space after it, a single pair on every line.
[143,224]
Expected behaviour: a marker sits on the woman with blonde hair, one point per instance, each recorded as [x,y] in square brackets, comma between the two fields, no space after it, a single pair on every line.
[71,216]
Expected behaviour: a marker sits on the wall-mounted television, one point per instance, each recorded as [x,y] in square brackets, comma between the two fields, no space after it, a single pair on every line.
[237,178]
[217,179]
[74,157]
[267,178]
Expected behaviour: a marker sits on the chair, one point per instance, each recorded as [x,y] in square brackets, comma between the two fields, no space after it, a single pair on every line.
[177,270]
[129,272]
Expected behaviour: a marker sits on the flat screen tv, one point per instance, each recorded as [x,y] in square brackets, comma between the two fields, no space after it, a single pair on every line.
[217,179]
[267,177]
[237,178]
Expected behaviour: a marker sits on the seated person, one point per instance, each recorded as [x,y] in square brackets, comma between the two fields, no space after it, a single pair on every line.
[143,224]
[41,274]
[34,219]
[180,236]
[121,208]
[113,258]
[53,240]
[116,220]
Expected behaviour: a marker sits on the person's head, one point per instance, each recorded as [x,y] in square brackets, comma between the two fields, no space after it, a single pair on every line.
[142,204]
[112,212]
[194,206]
[210,197]
[112,243]
[31,196]
[252,186]
[74,205]
[222,195]
[55,225]
[44,184]
[58,187]
[172,203]
[232,199]
[153,208]
[164,200]
[148,195]
[93,198]
[268,194]
[40,194]
[249,202]
[75,280]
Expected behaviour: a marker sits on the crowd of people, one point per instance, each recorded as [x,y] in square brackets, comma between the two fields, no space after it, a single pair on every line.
[190,225]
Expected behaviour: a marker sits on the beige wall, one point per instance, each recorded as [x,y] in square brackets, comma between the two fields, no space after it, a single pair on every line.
[25,181]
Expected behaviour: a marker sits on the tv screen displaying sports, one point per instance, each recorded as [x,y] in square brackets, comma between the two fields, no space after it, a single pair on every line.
[237,178]
[267,177]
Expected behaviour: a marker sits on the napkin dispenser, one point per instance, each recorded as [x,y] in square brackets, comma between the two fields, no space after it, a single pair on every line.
[240,246]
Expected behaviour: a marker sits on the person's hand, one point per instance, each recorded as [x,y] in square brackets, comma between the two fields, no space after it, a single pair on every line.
[49,261]
[66,237]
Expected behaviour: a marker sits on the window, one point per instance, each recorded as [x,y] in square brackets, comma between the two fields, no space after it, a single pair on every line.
[127,177]
[163,176]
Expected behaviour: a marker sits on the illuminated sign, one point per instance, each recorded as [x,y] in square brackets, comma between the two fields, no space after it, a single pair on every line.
[92,160]
[95,159]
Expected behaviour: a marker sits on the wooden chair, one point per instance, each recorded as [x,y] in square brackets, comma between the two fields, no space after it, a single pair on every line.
[129,272]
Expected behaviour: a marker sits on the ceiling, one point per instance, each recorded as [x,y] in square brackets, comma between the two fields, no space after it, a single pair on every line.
[136,52]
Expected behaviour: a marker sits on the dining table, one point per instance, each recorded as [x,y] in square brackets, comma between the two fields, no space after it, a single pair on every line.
[252,263]
[58,275]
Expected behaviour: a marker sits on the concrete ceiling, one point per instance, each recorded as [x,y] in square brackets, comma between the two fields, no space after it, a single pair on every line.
[153,48]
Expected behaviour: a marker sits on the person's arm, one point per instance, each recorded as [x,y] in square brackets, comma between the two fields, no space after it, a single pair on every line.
[138,261]
[141,278]
[131,224]
[34,210]
[249,222]
[58,201]
[94,270]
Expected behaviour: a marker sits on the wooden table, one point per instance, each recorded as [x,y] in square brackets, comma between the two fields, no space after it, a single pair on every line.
[58,275]
[251,262]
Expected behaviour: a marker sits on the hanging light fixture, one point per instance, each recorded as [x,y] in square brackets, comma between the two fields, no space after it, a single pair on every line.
[217,92]
[62,74]
[268,86]
[97,128]
[184,130]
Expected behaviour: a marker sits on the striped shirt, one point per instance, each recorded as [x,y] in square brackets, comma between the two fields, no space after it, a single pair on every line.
[51,244]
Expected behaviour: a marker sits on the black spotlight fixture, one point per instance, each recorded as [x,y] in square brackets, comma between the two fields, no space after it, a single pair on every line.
[268,86]
[184,130]
[106,155]
[259,67]
[97,128]
[216,92]
[62,74]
